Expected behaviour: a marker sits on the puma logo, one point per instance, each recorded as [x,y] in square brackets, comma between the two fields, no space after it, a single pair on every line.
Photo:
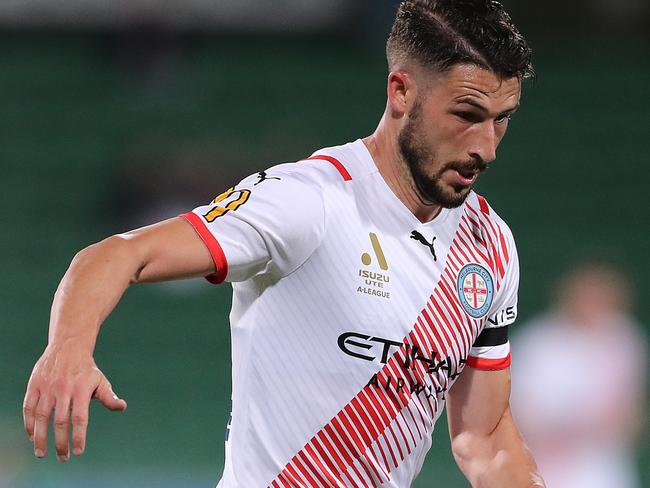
[262,177]
[420,238]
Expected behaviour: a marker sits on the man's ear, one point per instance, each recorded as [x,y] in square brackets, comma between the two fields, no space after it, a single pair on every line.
[402,92]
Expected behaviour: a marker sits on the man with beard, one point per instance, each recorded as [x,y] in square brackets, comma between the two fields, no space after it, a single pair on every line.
[367,280]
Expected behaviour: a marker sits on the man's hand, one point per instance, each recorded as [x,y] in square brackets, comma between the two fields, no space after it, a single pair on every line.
[63,381]
[66,377]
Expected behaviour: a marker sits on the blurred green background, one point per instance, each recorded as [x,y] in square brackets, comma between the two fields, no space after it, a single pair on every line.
[105,131]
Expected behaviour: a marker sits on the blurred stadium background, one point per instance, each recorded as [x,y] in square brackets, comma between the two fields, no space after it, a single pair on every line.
[117,114]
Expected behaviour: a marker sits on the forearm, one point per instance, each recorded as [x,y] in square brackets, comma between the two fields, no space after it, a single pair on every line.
[65,377]
[497,459]
[90,289]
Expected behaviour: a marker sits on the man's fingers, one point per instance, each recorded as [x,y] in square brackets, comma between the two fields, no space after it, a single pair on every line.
[29,410]
[80,404]
[42,415]
[61,428]
[104,393]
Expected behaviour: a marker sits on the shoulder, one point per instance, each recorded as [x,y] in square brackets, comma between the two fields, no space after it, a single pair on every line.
[491,227]
[330,166]
[478,206]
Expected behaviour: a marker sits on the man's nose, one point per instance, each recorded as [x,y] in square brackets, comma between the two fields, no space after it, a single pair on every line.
[485,142]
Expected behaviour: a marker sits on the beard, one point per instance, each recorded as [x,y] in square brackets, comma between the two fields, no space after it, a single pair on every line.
[417,156]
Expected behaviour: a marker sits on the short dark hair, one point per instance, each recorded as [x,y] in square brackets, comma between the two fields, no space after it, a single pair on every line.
[439,34]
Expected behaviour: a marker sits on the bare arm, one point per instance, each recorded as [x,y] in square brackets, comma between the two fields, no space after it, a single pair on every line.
[485,440]
[66,377]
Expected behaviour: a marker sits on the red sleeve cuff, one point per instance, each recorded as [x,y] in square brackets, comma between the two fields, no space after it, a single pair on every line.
[213,246]
[489,364]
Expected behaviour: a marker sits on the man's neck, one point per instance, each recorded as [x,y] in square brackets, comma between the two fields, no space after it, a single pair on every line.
[383,148]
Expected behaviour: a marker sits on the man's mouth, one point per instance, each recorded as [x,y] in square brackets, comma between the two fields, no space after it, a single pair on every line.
[466,177]
[466,174]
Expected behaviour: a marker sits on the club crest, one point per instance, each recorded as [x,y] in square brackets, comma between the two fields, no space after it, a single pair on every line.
[475,290]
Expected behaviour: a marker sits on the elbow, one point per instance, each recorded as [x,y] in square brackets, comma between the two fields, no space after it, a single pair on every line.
[471,455]
[117,251]
[460,449]
[486,464]
[115,245]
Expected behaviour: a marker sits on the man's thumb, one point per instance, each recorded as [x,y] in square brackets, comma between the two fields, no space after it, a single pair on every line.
[104,393]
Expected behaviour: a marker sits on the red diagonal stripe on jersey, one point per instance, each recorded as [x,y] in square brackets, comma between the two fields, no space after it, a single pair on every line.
[497,259]
[444,344]
[285,482]
[292,475]
[332,463]
[491,235]
[341,449]
[496,233]
[330,455]
[380,416]
[496,230]
[482,248]
[306,473]
[465,237]
[472,251]
[504,248]
[373,424]
[359,422]
[337,164]
[405,396]
[475,228]
[389,401]
[343,427]
[438,307]
[418,370]
[485,208]
[316,467]
[451,307]
[349,445]
[456,249]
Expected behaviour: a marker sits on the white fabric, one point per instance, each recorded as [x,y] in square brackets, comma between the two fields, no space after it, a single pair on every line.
[334,328]
[491,352]
[576,391]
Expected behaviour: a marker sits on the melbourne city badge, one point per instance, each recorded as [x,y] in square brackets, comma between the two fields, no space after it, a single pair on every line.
[475,290]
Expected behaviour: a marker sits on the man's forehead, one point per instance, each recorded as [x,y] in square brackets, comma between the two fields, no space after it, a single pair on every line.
[467,80]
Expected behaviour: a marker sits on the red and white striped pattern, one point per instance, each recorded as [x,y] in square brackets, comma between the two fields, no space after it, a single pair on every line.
[489,237]
[380,426]
[306,411]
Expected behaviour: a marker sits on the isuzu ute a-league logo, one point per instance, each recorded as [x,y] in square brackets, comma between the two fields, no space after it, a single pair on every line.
[475,290]
[373,282]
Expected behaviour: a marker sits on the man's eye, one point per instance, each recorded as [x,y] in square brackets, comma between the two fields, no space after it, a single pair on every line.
[503,118]
[469,117]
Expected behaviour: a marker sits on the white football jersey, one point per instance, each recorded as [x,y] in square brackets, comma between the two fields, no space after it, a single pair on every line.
[350,320]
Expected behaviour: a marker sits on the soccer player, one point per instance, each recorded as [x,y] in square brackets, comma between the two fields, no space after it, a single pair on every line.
[371,285]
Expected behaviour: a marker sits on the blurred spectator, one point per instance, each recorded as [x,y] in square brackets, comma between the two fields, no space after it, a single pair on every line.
[578,382]
[12,461]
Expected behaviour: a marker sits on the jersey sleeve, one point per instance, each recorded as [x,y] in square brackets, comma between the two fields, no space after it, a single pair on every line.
[491,350]
[269,224]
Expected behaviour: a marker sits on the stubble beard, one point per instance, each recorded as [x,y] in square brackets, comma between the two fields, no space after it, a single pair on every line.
[430,189]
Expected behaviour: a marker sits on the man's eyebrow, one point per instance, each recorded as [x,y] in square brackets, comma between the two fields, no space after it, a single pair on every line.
[471,101]
[512,110]
[475,103]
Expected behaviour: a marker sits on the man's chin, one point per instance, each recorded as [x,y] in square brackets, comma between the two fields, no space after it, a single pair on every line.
[455,202]
[452,198]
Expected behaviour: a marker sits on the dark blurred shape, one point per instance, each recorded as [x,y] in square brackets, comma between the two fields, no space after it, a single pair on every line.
[270,15]
[592,17]
[159,179]
[578,382]
[13,462]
